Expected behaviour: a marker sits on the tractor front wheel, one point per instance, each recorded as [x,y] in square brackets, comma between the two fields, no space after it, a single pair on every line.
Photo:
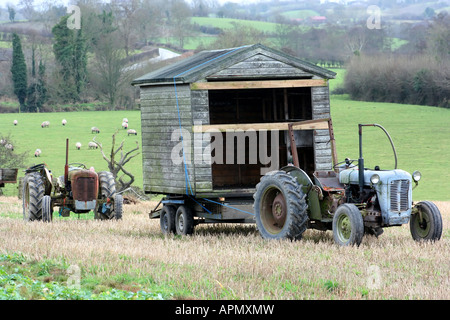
[426,224]
[47,210]
[348,225]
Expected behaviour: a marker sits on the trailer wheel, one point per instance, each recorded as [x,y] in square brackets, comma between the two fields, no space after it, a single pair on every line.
[430,228]
[33,192]
[184,221]
[47,210]
[348,225]
[280,207]
[167,219]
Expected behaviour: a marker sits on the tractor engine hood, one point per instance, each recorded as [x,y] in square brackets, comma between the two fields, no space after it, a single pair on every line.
[351,176]
[393,188]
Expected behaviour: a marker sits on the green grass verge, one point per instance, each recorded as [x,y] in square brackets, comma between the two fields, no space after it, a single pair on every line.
[48,279]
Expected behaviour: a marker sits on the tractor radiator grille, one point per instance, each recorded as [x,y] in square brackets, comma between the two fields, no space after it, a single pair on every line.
[85,189]
[399,195]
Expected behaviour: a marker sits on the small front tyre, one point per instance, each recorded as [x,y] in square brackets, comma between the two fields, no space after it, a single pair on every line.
[348,225]
[47,210]
[426,224]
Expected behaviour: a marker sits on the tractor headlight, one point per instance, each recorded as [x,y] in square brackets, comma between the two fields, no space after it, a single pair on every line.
[374,179]
[416,176]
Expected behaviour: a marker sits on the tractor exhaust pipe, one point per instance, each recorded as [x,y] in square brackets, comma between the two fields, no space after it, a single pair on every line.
[66,166]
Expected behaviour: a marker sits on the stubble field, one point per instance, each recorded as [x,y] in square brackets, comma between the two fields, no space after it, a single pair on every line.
[218,261]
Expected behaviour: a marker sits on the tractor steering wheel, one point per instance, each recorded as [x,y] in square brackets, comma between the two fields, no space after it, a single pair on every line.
[78,164]
[347,161]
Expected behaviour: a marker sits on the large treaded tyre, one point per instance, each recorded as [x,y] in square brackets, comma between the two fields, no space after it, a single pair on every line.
[280,207]
[33,192]
[107,189]
[430,229]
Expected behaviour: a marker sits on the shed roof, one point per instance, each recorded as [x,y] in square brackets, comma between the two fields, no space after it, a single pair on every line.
[208,62]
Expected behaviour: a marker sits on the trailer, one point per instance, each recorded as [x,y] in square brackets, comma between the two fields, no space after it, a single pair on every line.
[8,176]
[214,123]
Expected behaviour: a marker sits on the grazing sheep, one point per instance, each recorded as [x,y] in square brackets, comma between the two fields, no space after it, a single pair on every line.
[3,142]
[45,124]
[125,120]
[64,122]
[37,153]
[92,145]
[125,125]
[78,145]
[15,122]
[95,130]
[9,146]
[132,131]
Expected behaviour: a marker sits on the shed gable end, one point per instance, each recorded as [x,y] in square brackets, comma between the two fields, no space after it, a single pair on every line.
[260,66]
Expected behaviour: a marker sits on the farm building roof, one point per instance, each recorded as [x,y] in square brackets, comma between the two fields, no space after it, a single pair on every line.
[205,63]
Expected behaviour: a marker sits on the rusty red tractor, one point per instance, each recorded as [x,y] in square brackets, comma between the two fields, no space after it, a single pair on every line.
[79,190]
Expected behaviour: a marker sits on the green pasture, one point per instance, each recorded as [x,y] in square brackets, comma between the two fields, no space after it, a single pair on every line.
[228,23]
[29,136]
[421,135]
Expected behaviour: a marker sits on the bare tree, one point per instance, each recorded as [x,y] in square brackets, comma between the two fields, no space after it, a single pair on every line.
[117,160]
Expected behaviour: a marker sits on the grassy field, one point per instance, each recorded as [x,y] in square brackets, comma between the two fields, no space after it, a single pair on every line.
[29,136]
[130,259]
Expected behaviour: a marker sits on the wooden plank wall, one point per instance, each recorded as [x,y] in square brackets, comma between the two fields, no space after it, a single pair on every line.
[159,119]
[321,110]
[200,113]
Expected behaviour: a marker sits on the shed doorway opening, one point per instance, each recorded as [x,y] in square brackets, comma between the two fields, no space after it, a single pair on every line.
[245,106]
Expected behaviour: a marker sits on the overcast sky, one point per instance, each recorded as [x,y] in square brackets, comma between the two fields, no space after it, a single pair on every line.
[65,2]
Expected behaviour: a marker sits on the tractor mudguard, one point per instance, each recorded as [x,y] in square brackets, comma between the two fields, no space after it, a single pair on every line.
[308,188]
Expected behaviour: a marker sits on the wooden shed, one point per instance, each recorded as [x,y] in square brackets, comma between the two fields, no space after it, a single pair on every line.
[246,90]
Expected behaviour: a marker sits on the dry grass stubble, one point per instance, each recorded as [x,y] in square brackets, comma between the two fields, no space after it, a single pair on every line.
[234,262]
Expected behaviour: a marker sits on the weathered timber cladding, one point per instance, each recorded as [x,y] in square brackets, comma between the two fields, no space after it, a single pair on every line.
[165,107]
[160,118]
[321,110]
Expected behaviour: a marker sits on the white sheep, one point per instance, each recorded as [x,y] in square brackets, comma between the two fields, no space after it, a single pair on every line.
[45,124]
[92,145]
[37,153]
[95,130]
[9,146]
[64,122]
[125,125]
[132,131]
[125,120]
[78,145]
[15,122]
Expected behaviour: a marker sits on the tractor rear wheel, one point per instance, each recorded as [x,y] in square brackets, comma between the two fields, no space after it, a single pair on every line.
[33,192]
[47,210]
[348,225]
[280,207]
[107,190]
[427,223]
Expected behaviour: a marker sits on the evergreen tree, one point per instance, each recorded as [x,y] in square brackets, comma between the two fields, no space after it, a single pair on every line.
[19,72]
[37,91]
[71,54]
